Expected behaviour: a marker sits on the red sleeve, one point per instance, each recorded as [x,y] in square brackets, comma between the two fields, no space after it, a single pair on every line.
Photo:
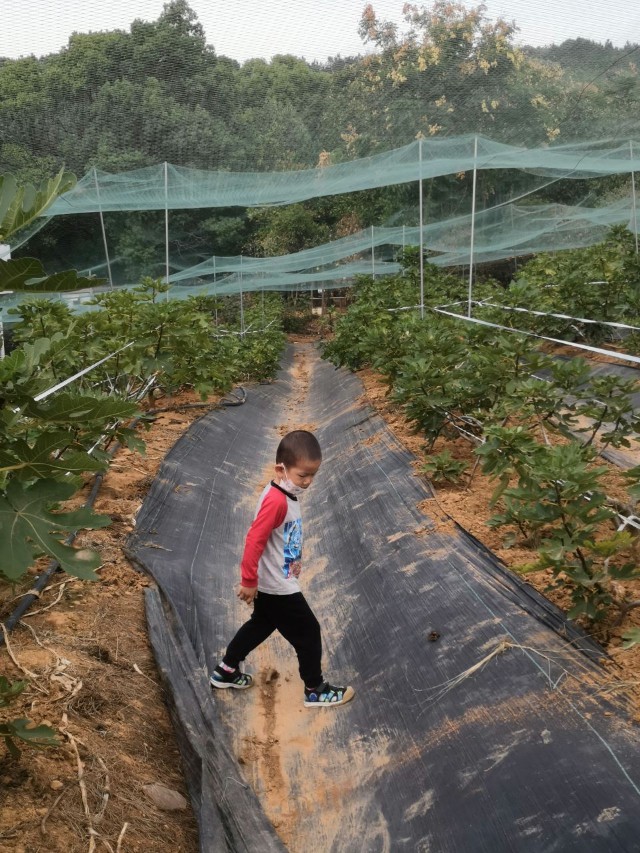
[272,513]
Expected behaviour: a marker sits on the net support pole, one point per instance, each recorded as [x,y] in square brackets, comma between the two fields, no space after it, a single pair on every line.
[166,224]
[373,257]
[633,197]
[473,223]
[215,289]
[421,235]
[241,303]
[403,249]
[104,233]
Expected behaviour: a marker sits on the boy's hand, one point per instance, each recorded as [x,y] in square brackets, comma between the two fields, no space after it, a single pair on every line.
[247,593]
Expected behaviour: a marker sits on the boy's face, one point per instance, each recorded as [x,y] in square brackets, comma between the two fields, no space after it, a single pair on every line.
[301,473]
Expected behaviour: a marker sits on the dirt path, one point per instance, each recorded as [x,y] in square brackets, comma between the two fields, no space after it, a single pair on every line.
[274,737]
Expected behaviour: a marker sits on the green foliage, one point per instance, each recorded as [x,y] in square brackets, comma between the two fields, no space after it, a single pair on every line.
[464,377]
[28,528]
[46,456]
[558,504]
[21,729]
[462,68]
[601,282]
[443,467]
[503,391]
[633,475]
[28,274]
[285,230]
[21,204]
[297,319]
[631,638]
[610,410]
[263,349]
[370,330]
[44,444]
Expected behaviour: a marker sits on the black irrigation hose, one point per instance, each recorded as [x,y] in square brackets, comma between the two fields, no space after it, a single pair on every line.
[43,579]
[226,402]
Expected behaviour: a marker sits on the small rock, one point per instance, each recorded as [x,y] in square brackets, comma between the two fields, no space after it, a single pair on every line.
[165,798]
[56,785]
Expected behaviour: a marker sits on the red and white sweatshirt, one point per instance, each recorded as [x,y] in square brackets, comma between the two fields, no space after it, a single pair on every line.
[273,548]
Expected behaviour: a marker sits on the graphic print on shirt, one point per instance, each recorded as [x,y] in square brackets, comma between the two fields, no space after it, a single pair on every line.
[292,548]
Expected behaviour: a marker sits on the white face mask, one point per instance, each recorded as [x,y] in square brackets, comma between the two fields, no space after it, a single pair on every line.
[288,486]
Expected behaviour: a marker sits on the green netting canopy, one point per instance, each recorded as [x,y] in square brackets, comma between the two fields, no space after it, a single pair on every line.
[175,188]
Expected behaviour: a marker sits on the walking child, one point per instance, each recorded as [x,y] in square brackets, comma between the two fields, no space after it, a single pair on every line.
[270,570]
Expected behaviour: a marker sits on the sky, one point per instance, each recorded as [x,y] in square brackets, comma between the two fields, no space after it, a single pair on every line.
[313,29]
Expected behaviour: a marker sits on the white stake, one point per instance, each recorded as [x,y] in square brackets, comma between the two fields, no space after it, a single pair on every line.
[215,289]
[241,302]
[373,259]
[633,196]
[473,224]
[403,248]
[104,233]
[421,236]
[166,223]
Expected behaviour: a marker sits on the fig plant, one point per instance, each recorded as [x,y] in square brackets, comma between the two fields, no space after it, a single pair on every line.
[508,394]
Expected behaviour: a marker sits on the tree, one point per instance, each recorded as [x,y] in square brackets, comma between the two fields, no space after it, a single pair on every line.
[451,72]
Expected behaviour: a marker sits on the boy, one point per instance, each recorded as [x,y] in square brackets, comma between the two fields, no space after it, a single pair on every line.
[270,569]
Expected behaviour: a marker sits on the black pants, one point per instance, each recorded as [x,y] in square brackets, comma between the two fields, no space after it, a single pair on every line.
[292,616]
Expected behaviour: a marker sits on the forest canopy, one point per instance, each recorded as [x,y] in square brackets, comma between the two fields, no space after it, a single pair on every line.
[158,92]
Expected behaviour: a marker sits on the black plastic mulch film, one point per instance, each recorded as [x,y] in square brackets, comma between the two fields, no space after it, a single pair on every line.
[524,753]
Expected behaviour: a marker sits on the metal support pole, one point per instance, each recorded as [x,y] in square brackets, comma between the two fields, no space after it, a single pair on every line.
[403,248]
[241,303]
[104,233]
[373,258]
[215,289]
[473,224]
[166,223]
[421,235]
[633,196]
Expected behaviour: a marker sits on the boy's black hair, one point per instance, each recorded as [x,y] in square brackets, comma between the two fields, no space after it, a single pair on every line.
[297,446]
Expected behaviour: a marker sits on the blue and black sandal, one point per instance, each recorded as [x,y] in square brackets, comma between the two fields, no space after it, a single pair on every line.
[327,696]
